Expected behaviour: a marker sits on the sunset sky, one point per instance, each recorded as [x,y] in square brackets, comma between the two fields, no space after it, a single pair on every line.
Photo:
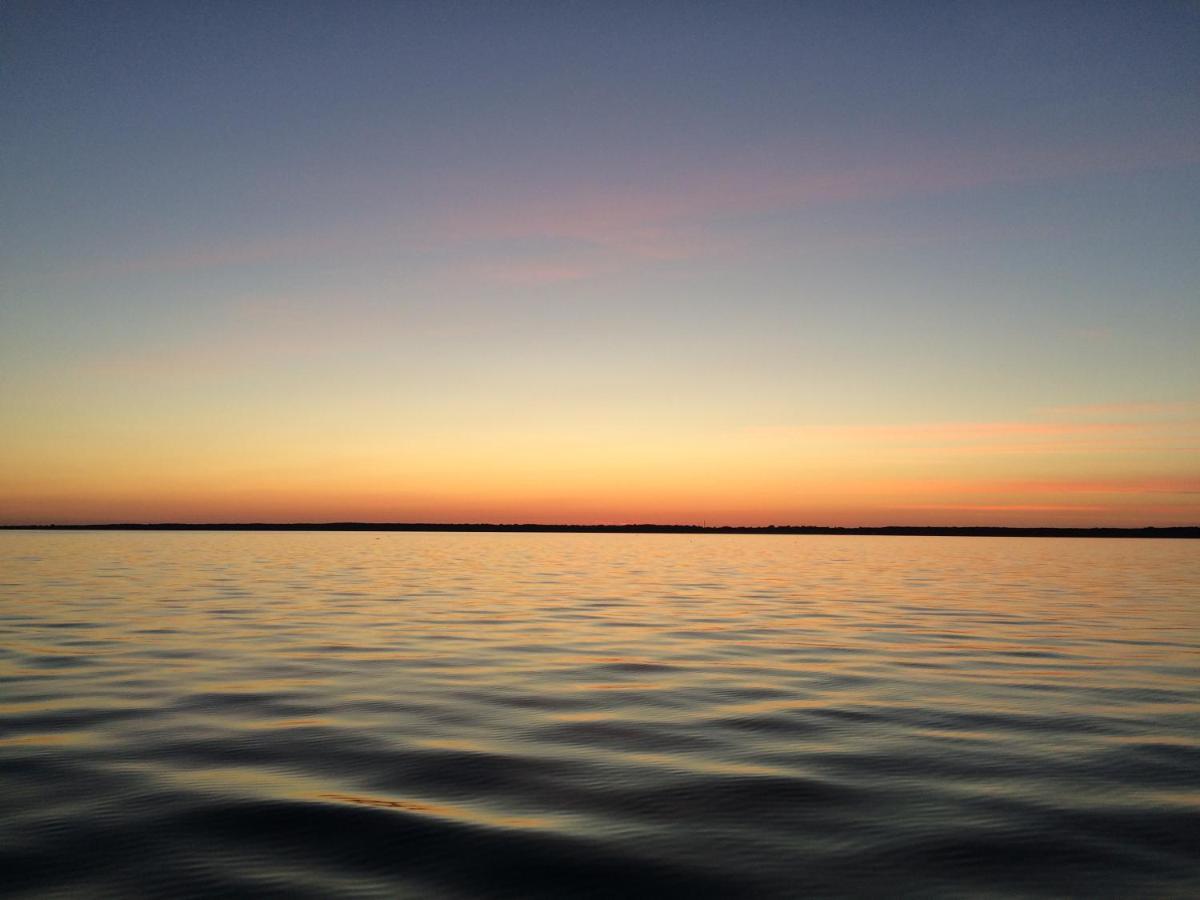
[795,263]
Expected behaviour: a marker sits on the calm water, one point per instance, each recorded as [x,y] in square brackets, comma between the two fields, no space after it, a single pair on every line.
[516,715]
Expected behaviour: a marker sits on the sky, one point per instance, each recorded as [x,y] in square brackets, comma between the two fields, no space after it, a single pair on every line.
[747,263]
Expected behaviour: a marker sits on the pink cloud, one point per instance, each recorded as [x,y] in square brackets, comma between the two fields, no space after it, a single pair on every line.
[1005,507]
[535,272]
[1031,438]
[1117,486]
[952,432]
[632,224]
[217,254]
[1085,410]
[635,215]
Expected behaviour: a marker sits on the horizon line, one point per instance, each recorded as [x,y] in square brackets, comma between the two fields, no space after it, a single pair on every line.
[1159,531]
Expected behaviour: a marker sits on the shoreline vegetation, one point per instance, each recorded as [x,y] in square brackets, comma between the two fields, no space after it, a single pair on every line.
[1182,531]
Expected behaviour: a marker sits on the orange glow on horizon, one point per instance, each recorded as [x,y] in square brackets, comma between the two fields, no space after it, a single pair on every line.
[821,475]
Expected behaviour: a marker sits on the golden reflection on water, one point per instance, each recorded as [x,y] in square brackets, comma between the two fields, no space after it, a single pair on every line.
[719,604]
[443,810]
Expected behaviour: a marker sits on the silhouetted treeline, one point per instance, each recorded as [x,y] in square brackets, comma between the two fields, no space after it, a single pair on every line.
[1190,531]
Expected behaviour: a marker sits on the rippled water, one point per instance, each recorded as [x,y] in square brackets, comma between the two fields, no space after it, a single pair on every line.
[330,714]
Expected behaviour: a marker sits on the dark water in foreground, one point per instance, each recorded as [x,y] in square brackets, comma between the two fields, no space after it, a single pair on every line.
[611,715]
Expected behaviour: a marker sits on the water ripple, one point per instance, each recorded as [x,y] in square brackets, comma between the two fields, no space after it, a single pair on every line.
[505,715]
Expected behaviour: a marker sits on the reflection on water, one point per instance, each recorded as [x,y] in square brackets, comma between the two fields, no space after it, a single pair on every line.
[316,714]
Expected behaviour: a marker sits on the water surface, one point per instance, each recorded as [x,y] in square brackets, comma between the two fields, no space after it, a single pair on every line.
[407,714]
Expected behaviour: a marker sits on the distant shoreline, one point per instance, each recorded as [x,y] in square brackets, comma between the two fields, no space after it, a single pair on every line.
[1184,531]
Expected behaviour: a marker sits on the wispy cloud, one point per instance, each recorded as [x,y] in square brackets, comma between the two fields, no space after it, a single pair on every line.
[249,330]
[691,213]
[950,432]
[534,272]
[1089,430]
[1005,507]
[1020,487]
[1139,410]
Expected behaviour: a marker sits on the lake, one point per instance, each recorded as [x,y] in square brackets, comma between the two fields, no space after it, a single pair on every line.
[610,715]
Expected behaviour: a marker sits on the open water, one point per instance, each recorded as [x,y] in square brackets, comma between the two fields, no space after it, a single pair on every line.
[516,715]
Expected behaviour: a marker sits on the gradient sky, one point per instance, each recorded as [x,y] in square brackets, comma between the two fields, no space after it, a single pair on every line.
[810,263]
